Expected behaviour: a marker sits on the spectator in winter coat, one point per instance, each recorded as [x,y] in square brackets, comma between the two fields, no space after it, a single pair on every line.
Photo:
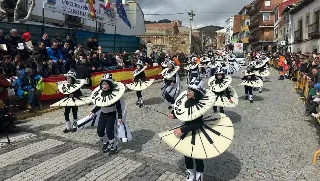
[43,60]
[4,84]
[27,88]
[67,53]
[45,40]
[2,41]
[26,37]
[8,66]
[56,56]
[57,38]
[96,63]
[12,42]
[71,42]
[126,60]
[83,69]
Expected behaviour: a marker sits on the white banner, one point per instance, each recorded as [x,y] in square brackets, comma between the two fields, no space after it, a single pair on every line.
[238,47]
[81,8]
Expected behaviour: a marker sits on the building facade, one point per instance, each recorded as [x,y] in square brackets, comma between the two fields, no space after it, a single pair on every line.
[171,43]
[262,24]
[244,30]
[162,29]
[236,28]
[306,20]
[229,30]
[134,13]
[282,26]
[220,39]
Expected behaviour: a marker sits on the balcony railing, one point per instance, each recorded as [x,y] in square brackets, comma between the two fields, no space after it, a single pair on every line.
[313,30]
[253,38]
[253,11]
[260,22]
[298,36]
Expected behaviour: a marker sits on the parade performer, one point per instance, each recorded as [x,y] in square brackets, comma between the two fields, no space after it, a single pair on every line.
[140,82]
[203,65]
[193,70]
[226,96]
[198,138]
[260,69]
[235,66]
[110,112]
[71,89]
[171,83]
[250,81]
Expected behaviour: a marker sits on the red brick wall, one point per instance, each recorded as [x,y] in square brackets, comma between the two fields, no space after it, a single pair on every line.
[236,23]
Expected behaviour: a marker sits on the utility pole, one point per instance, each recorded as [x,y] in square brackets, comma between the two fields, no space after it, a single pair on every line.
[202,40]
[191,14]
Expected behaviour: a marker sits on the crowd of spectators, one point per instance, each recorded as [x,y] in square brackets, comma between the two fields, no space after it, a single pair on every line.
[308,65]
[26,61]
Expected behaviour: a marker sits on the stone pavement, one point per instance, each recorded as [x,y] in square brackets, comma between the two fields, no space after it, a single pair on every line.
[271,142]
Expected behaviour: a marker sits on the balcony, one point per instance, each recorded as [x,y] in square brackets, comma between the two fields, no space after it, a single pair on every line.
[258,9]
[244,28]
[298,36]
[313,31]
[253,11]
[260,23]
[253,38]
[245,40]
[244,17]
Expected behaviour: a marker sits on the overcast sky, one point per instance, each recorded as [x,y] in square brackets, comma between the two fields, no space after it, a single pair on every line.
[200,7]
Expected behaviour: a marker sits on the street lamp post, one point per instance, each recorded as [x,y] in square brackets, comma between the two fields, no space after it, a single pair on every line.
[43,4]
[114,38]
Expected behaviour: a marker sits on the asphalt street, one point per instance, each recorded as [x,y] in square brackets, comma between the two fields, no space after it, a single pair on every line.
[271,142]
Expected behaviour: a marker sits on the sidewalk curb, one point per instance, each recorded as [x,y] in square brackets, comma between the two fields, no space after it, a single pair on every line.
[30,115]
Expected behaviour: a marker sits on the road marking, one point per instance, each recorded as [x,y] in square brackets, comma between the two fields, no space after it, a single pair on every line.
[17,137]
[54,165]
[170,176]
[115,169]
[27,151]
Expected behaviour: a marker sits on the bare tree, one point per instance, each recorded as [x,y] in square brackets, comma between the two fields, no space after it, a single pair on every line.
[16,19]
[3,13]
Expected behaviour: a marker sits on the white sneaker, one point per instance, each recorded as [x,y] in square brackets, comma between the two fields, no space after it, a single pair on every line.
[315,115]
[199,176]
[317,99]
[191,174]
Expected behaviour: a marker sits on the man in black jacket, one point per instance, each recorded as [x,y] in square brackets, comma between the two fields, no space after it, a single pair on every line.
[45,40]
[67,55]
[12,42]
[43,60]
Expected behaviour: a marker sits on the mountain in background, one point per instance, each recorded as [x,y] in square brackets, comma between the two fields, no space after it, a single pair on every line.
[209,31]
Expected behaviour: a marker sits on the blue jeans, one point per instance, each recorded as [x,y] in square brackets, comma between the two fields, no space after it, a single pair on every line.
[31,97]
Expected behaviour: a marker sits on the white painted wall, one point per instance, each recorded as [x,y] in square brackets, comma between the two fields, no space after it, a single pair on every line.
[133,10]
[307,46]
[229,30]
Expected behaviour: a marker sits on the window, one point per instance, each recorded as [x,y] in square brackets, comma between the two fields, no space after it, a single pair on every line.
[276,16]
[266,16]
[247,22]
[267,2]
[276,33]
[307,20]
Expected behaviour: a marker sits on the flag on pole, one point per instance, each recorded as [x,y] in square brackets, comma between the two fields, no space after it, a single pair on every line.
[122,13]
